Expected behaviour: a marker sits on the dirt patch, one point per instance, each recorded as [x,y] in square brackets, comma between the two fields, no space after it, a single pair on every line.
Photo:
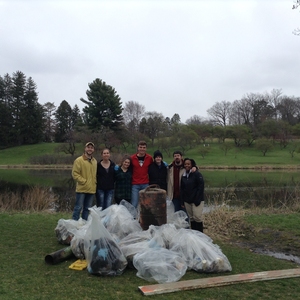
[270,241]
[229,226]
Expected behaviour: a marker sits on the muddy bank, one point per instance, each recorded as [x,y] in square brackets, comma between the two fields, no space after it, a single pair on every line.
[281,245]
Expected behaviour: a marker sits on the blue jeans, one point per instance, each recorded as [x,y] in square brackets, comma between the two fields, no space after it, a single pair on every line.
[104,198]
[177,205]
[135,193]
[83,202]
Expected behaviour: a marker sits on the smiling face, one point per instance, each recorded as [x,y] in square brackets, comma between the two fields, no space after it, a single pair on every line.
[187,165]
[141,150]
[89,150]
[105,154]
[126,164]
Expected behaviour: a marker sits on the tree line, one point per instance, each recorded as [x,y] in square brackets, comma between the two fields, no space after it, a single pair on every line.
[269,117]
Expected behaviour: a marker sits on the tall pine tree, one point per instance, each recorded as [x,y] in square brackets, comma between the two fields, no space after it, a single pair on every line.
[104,107]
[21,116]
[63,118]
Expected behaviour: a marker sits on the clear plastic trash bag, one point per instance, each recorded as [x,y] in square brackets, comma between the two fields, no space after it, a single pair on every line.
[160,265]
[102,253]
[65,229]
[199,252]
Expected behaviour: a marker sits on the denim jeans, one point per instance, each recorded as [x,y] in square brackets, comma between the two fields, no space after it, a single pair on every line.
[135,193]
[177,205]
[83,202]
[104,198]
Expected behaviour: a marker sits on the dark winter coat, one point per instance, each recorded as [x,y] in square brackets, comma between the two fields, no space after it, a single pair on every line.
[158,175]
[105,180]
[192,188]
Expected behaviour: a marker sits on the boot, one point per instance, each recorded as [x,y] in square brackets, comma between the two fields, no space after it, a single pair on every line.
[197,226]
[194,225]
[200,226]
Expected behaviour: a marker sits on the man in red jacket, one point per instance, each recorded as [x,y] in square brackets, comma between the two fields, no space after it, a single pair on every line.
[140,163]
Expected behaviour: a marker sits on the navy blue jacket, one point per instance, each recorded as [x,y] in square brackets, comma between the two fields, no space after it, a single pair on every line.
[158,175]
[192,188]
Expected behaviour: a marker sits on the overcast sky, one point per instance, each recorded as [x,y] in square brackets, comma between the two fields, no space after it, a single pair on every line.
[170,56]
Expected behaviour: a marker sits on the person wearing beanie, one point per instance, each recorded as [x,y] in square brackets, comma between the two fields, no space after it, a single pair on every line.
[158,171]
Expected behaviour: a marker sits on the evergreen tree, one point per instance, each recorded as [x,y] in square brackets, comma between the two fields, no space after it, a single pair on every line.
[63,118]
[76,118]
[21,116]
[49,133]
[32,116]
[6,120]
[5,125]
[17,105]
[104,107]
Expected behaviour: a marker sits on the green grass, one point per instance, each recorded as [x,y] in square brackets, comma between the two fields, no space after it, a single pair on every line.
[247,157]
[283,222]
[21,154]
[26,238]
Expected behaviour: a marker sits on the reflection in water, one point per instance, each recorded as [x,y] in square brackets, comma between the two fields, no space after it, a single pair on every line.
[59,182]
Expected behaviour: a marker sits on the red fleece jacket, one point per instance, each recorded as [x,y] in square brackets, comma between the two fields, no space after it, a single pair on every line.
[140,173]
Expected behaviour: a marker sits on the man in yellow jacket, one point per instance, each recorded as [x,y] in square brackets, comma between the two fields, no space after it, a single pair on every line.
[84,173]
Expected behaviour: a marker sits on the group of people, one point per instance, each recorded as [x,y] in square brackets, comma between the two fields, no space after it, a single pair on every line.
[181,180]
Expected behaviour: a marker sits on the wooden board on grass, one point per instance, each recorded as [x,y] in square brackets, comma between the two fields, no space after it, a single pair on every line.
[217,281]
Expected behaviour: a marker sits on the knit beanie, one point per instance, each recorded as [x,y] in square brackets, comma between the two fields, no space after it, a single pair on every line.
[157,153]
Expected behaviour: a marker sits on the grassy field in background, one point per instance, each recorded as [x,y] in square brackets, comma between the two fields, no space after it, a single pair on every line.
[247,157]
[27,238]
[21,154]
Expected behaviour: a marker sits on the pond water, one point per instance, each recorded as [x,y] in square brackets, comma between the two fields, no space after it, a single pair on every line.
[234,187]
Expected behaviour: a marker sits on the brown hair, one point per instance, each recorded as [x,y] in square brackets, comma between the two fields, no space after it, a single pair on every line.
[142,143]
[123,159]
[105,149]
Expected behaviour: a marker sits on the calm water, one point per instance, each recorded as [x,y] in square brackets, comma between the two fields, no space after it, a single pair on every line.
[234,186]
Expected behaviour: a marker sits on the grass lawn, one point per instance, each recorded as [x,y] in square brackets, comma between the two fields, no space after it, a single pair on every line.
[26,238]
[216,158]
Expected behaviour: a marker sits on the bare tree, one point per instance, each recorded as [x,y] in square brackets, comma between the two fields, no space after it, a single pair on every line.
[295,6]
[274,98]
[236,115]
[152,125]
[220,113]
[133,113]
[195,120]
[289,109]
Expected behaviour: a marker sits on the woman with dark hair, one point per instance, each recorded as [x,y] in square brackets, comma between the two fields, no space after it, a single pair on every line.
[105,180]
[123,176]
[192,194]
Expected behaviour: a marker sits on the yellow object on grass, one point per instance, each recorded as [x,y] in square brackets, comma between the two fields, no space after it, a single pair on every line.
[78,265]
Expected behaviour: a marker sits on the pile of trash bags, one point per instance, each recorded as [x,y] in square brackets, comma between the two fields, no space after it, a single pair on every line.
[112,239]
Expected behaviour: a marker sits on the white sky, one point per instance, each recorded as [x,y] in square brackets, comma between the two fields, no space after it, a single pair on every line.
[171,56]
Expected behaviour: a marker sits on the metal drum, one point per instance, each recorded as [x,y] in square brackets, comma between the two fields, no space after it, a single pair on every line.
[153,206]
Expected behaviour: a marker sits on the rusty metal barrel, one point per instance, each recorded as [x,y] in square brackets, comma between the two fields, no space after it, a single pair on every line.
[153,206]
